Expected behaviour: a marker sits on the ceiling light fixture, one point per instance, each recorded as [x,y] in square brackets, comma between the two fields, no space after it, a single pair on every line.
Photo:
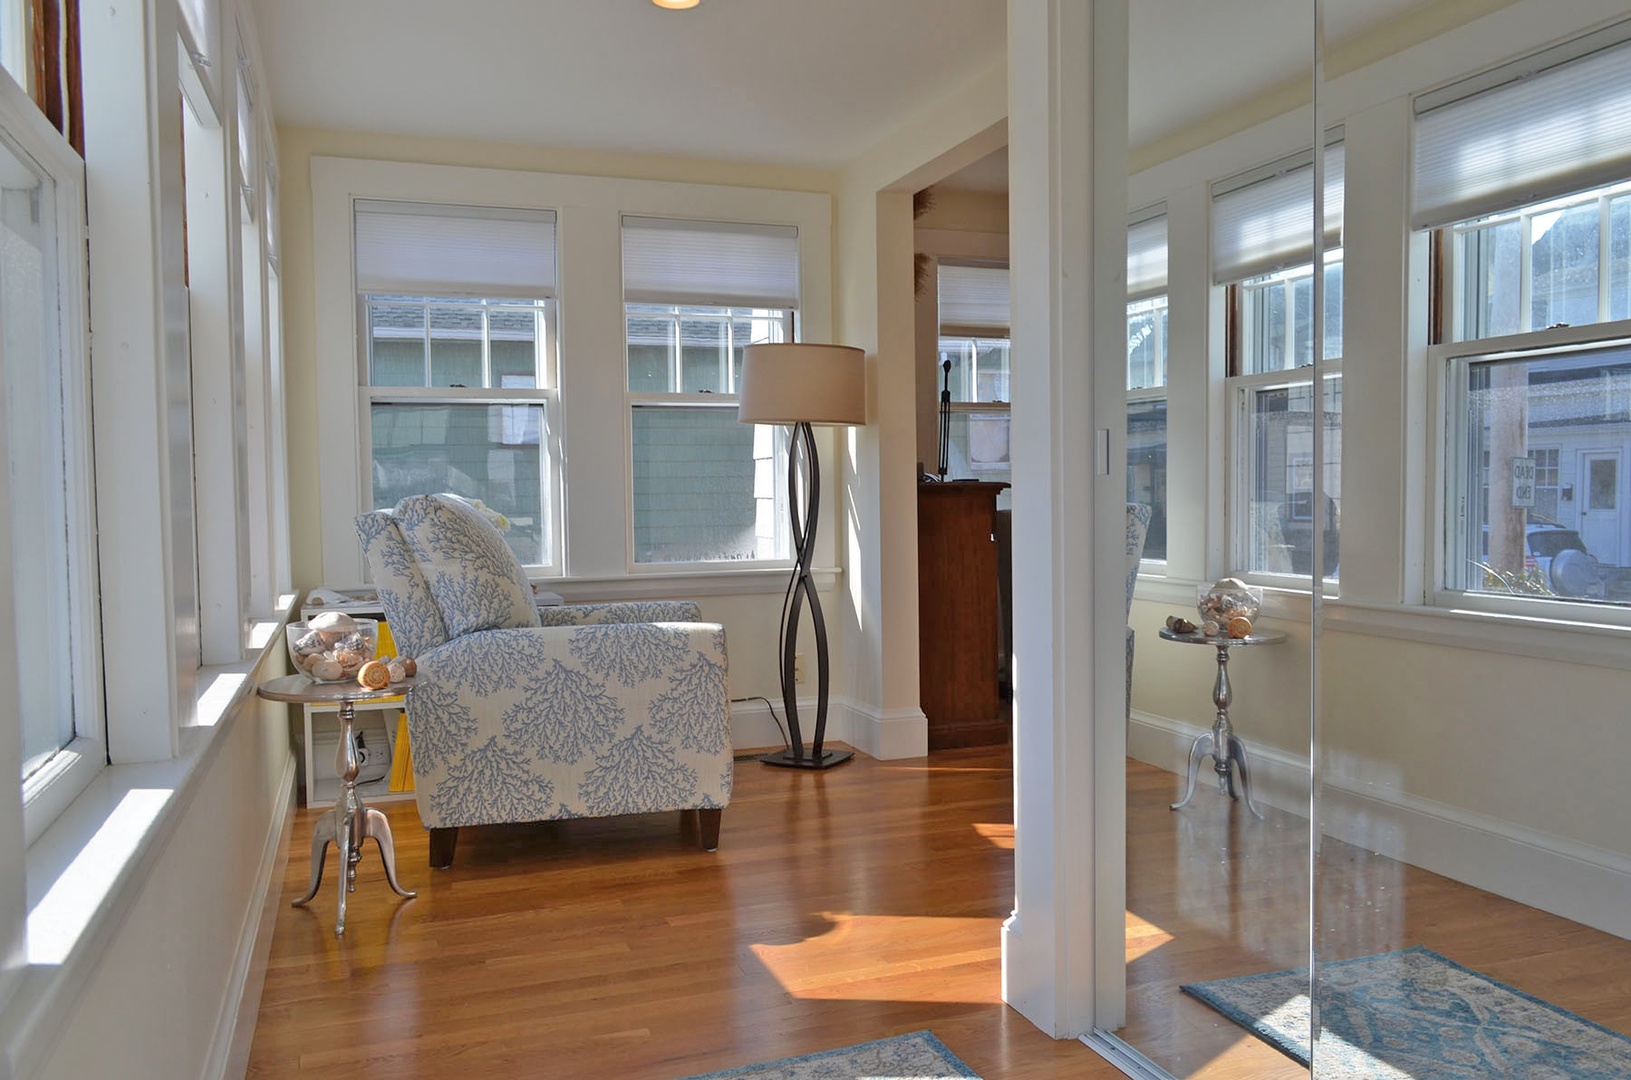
[676,5]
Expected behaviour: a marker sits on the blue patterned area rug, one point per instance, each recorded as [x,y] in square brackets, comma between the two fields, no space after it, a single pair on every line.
[918,1056]
[1416,1015]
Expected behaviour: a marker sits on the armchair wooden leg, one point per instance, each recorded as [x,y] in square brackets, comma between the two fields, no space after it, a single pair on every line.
[442,843]
[709,819]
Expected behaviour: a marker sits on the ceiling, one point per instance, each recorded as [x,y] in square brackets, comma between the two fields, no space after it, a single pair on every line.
[797,82]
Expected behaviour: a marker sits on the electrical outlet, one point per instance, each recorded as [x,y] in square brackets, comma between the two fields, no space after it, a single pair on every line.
[798,667]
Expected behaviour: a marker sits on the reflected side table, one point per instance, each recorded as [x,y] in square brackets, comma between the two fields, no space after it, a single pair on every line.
[1221,744]
[348,822]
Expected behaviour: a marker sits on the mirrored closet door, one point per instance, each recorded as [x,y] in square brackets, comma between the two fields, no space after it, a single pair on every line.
[1379,377]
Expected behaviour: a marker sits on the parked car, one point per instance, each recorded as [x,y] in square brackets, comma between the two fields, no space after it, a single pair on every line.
[1561,558]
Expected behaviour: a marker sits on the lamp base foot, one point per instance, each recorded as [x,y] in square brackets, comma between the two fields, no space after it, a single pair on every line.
[827,760]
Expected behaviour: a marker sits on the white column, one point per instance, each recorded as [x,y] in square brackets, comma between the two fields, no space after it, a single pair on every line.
[140,381]
[1067,125]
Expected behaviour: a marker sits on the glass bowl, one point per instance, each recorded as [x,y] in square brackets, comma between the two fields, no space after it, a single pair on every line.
[1226,599]
[332,647]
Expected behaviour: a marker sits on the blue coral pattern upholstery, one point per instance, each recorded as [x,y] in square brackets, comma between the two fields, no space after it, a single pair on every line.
[415,620]
[476,579]
[607,709]
[1138,525]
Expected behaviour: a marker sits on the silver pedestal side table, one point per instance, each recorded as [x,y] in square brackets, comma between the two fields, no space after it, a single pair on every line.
[1221,744]
[348,822]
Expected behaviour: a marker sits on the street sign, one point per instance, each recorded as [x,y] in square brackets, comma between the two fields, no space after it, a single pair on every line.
[1523,482]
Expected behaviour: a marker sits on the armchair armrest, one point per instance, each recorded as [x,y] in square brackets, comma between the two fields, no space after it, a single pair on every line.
[653,611]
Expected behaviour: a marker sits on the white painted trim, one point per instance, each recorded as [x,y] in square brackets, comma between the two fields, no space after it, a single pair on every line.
[886,734]
[240,1005]
[767,581]
[1575,881]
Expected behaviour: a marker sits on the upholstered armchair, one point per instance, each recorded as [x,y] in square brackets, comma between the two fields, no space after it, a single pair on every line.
[586,711]
[1138,525]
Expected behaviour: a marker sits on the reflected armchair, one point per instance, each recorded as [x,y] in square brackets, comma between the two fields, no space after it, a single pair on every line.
[1138,525]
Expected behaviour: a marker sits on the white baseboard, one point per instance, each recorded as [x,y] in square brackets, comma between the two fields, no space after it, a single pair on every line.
[1558,875]
[887,734]
[240,1008]
[884,734]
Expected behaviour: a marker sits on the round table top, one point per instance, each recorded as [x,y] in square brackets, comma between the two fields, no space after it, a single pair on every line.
[308,691]
[1195,637]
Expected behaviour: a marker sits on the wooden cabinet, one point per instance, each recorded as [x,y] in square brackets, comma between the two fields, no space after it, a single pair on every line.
[959,625]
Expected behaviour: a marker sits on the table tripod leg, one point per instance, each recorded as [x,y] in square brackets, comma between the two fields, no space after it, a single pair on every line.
[379,828]
[1202,748]
[343,843]
[322,834]
[1237,751]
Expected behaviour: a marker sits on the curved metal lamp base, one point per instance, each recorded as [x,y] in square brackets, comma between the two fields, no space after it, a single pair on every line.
[825,760]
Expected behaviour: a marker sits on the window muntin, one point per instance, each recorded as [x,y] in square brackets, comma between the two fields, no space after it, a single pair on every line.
[1562,262]
[980,371]
[1275,419]
[1277,318]
[704,488]
[460,401]
[1565,410]
[1147,343]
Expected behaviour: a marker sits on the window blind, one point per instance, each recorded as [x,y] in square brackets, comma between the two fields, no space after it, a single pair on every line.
[1147,254]
[1263,220]
[415,249]
[1550,124]
[973,300]
[710,263]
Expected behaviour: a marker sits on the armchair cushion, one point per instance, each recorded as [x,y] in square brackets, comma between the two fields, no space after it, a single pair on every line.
[475,578]
[625,612]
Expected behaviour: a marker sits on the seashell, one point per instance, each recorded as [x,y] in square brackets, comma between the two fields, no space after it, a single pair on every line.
[1210,628]
[350,658]
[397,669]
[327,670]
[1180,625]
[332,622]
[410,666]
[1240,627]
[374,675]
[309,643]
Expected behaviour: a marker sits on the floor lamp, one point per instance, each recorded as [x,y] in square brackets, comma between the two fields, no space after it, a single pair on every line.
[801,385]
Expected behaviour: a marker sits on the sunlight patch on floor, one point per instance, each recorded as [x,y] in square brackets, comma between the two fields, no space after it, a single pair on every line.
[1000,835]
[891,958]
[1143,937]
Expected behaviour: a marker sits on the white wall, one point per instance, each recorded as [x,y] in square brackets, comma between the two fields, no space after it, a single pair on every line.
[165,996]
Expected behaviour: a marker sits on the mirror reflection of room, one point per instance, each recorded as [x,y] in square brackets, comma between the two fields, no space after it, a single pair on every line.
[1443,540]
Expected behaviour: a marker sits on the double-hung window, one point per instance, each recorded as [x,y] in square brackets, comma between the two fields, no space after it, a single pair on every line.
[49,527]
[704,488]
[974,343]
[1262,251]
[1533,361]
[459,362]
[1147,372]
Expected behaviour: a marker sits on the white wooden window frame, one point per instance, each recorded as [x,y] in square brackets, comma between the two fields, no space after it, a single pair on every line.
[593,367]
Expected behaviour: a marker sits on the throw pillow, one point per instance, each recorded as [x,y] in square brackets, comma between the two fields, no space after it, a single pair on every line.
[475,577]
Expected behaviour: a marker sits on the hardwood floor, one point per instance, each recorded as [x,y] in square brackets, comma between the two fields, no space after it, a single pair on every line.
[840,907]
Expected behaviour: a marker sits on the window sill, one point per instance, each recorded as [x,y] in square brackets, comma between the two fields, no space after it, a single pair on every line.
[1557,638]
[87,870]
[667,584]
